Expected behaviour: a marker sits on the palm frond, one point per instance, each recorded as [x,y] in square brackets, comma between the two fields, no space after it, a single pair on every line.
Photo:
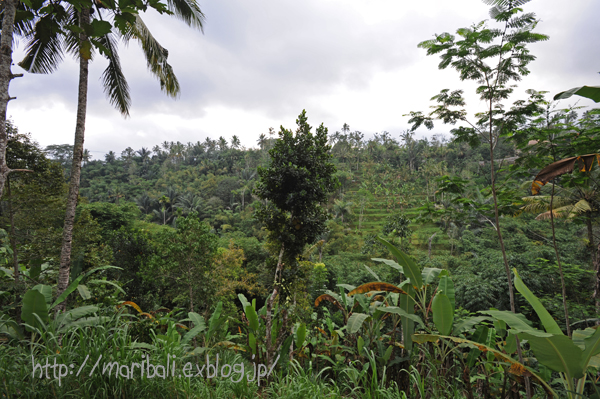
[156,56]
[113,80]
[558,213]
[561,212]
[534,206]
[506,3]
[188,11]
[72,38]
[24,25]
[44,50]
[582,206]
[537,204]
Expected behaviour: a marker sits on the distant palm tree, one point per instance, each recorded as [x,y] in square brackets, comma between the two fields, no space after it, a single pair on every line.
[235,142]
[110,157]
[172,195]
[262,141]
[247,182]
[144,153]
[222,143]
[210,144]
[568,203]
[341,208]
[115,194]
[190,203]
[145,203]
[165,212]
[86,156]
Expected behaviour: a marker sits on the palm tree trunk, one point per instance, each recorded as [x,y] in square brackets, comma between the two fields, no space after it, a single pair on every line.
[65,254]
[6,49]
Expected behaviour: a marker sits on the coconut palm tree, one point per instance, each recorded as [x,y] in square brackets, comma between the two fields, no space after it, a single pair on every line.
[110,157]
[190,203]
[262,141]
[145,203]
[45,49]
[341,208]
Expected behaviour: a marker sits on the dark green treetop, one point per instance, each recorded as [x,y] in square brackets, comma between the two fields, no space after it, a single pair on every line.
[295,184]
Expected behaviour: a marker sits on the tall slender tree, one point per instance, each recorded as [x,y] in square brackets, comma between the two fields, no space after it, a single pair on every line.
[294,185]
[9,10]
[78,33]
[493,57]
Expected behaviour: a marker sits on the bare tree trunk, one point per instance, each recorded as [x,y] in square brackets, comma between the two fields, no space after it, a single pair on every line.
[507,269]
[596,295]
[270,302]
[6,49]
[13,241]
[590,232]
[499,232]
[65,254]
[595,253]
[191,298]
[13,244]
[430,241]
[292,344]
[560,271]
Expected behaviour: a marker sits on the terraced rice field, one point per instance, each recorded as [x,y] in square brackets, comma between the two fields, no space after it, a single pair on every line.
[376,212]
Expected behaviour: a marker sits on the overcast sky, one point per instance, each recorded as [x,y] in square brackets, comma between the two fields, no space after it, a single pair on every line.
[259,63]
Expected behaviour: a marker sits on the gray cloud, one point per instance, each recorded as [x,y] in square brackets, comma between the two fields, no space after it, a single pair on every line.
[267,60]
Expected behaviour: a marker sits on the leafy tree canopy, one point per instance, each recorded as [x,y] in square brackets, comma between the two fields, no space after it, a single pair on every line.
[297,181]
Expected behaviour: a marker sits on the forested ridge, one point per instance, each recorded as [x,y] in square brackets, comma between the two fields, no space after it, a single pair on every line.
[337,263]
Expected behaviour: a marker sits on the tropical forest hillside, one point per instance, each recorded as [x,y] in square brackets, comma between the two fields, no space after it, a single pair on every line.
[319,263]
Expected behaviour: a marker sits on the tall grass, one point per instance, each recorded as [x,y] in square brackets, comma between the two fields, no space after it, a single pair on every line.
[112,340]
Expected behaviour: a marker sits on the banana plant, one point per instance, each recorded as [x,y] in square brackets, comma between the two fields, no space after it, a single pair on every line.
[214,332]
[571,357]
[329,340]
[342,301]
[255,330]
[37,305]
[411,293]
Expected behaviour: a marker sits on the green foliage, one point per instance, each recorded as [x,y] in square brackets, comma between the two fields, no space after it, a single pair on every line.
[112,217]
[359,341]
[182,263]
[298,179]
[132,250]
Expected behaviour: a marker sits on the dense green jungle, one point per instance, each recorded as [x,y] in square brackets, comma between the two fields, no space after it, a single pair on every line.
[319,263]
